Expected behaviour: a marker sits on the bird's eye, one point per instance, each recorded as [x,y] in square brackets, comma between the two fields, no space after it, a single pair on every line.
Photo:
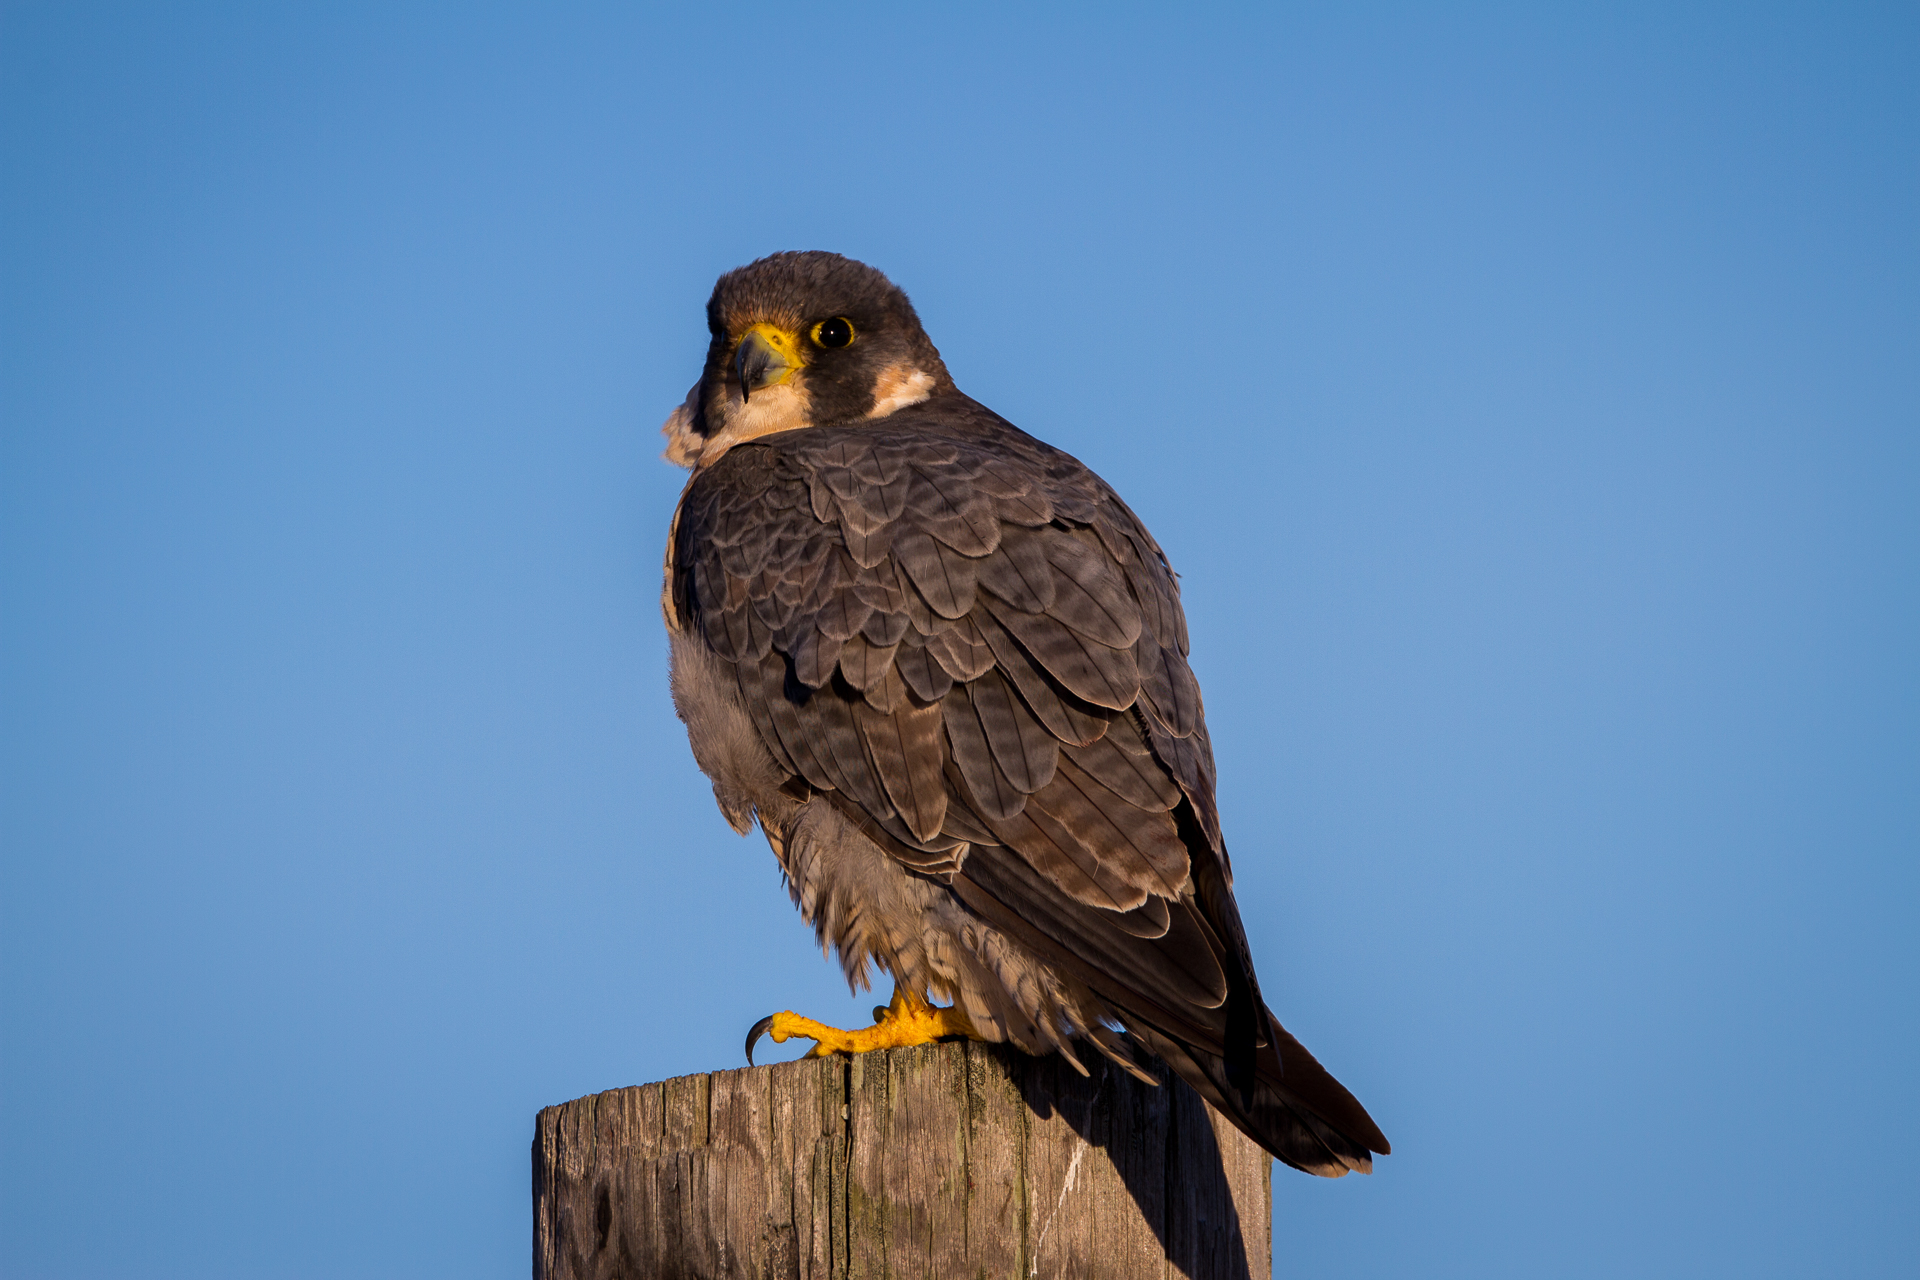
[834,333]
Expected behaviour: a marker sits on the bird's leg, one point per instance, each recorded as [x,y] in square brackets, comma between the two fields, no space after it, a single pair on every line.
[906,1020]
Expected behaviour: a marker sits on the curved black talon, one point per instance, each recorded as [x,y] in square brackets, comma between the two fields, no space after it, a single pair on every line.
[759,1029]
[879,1014]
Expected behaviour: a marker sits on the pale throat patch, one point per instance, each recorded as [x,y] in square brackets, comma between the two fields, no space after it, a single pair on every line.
[782,408]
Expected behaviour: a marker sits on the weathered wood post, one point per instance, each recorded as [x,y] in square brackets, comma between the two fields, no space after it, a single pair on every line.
[946,1161]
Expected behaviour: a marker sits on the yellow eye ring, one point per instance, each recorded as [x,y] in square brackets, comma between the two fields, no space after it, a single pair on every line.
[833,334]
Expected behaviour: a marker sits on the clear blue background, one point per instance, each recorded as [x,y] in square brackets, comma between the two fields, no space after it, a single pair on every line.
[1529,395]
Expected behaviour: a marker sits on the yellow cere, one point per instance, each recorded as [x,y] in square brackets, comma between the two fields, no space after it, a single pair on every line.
[787,344]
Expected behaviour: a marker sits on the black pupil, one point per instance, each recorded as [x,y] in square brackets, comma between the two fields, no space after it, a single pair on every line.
[834,333]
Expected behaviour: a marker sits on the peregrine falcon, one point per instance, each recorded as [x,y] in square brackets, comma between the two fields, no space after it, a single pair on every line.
[944,667]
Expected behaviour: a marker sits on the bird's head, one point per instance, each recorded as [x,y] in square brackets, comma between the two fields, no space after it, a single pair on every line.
[802,340]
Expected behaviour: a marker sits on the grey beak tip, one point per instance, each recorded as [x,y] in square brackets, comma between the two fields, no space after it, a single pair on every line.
[754,362]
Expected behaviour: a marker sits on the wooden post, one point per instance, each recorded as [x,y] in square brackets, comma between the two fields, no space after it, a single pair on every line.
[946,1161]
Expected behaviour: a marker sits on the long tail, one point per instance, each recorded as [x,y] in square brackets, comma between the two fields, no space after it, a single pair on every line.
[1234,1052]
[1295,1109]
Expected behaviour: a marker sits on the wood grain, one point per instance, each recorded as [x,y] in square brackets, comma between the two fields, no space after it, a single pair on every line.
[946,1161]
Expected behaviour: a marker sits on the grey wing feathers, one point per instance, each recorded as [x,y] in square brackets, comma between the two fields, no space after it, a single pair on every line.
[972,647]
[911,598]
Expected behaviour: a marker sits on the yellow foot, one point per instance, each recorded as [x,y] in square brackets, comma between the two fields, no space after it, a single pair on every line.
[906,1020]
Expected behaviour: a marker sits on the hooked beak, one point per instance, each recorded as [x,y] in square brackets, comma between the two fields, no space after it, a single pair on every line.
[766,357]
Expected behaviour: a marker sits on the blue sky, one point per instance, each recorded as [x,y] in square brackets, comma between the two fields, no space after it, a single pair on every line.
[1528,396]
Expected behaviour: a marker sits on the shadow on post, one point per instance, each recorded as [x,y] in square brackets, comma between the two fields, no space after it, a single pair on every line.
[1162,1145]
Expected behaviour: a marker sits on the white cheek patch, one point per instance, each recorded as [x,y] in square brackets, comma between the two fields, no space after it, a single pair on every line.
[899,386]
